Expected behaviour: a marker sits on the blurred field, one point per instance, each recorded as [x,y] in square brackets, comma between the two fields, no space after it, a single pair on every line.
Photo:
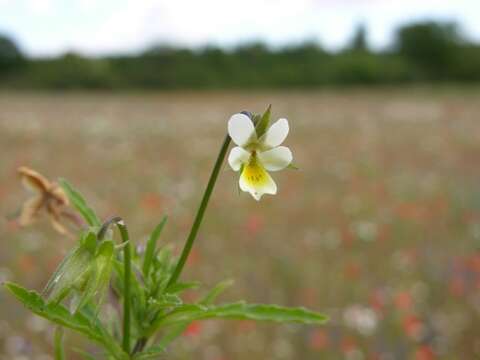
[379,228]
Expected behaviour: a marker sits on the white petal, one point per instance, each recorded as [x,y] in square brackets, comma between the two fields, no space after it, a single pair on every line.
[257,181]
[241,129]
[276,159]
[276,134]
[238,156]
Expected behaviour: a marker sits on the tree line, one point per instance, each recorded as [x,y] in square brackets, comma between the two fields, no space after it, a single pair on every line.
[420,52]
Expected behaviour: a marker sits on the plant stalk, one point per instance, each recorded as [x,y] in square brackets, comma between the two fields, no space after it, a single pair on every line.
[200,212]
[58,343]
[127,260]
[127,273]
[194,230]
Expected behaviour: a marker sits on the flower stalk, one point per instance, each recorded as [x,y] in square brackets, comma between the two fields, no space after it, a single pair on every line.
[200,212]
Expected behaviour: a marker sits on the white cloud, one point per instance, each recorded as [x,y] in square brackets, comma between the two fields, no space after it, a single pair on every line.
[131,25]
[40,7]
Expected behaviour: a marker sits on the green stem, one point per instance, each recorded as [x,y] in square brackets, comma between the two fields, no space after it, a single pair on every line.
[194,230]
[58,342]
[127,260]
[127,273]
[200,212]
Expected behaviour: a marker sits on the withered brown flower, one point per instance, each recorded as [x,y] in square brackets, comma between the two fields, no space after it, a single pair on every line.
[47,197]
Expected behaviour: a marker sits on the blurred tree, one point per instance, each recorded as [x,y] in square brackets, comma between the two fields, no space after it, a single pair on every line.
[431,47]
[425,51]
[359,39]
[10,55]
[70,71]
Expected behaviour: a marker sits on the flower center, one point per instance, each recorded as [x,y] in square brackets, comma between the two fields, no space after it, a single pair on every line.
[254,172]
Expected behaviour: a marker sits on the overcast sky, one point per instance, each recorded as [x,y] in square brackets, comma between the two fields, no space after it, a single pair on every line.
[95,27]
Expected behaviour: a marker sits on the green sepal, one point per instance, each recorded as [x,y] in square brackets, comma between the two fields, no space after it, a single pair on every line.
[263,122]
[70,274]
[99,275]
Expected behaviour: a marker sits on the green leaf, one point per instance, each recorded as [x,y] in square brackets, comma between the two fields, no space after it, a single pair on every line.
[151,245]
[292,167]
[240,311]
[163,265]
[180,287]
[58,314]
[89,240]
[58,343]
[80,204]
[151,353]
[262,125]
[164,301]
[176,330]
[216,291]
[53,312]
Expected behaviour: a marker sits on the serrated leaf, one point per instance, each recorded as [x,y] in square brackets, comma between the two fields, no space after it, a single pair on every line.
[263,122]
[216,291]
[151,245]
[58,314]
[80,204]
[53,312]
[240,311]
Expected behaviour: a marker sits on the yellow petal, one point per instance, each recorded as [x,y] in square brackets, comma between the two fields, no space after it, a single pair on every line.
[256,180]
